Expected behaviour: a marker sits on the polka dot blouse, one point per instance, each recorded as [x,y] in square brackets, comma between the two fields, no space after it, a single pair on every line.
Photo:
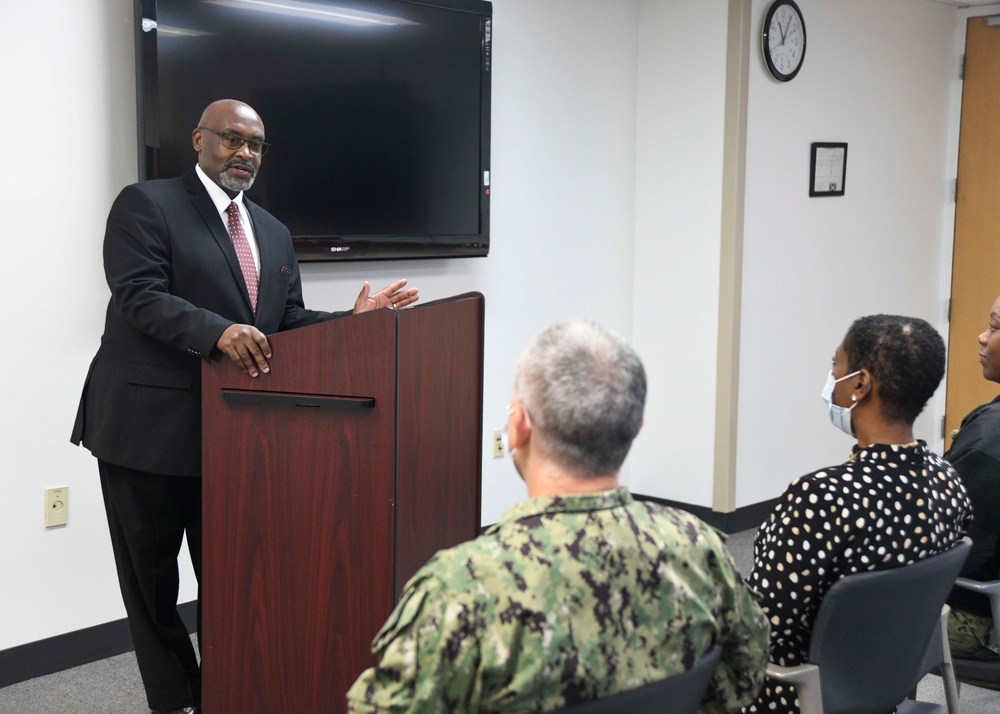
[884,507]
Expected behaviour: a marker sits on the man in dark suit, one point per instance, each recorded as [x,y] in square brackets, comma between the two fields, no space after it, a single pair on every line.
[195,270]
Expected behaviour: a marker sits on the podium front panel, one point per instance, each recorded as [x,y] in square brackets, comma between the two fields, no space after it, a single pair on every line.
[298,520]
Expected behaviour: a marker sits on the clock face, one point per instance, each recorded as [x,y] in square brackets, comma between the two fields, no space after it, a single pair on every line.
[784,39]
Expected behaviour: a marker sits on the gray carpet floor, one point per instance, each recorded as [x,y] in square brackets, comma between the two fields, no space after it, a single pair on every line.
[113,686]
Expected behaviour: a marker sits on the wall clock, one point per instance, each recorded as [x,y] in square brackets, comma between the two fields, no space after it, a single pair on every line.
[783,40]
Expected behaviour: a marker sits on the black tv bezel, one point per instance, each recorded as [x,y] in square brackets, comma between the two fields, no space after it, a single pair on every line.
[349,248]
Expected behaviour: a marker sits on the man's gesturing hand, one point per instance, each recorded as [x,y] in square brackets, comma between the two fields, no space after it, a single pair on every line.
[247,348]
[393,296]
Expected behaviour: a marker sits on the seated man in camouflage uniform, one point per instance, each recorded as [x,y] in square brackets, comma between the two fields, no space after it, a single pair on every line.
[580,591]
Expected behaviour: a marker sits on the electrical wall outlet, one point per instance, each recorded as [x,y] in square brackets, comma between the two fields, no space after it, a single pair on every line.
[498,444]
[56,506]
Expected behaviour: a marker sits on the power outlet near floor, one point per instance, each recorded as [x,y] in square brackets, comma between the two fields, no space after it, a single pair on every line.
[498,444]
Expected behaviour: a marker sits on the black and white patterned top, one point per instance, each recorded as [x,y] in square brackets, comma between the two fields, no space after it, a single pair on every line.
[884,507]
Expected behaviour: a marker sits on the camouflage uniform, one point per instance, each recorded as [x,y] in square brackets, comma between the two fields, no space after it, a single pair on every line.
[565,600]
[971,635]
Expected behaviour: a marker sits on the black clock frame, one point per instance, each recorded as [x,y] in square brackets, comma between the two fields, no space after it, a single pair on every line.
[765,36]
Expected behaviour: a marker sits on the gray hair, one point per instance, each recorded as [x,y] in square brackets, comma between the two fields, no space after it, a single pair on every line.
[584,389]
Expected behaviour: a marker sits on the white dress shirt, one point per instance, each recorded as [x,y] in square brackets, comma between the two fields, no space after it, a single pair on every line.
[222,200]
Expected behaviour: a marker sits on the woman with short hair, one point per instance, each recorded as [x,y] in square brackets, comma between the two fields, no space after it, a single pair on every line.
[891,503]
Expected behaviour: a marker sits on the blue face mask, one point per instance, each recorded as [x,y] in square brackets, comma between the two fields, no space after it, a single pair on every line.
[839,416]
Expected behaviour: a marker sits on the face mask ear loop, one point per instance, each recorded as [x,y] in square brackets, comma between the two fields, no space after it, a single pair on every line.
[854,397]
[839,416]
[527,421]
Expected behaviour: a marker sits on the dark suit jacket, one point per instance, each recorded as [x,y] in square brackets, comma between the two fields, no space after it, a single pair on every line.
[176,285]
[975,454]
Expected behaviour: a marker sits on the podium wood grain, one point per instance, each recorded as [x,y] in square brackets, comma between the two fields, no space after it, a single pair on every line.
[316,515]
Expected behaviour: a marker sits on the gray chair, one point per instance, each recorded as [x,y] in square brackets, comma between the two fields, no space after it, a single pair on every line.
[680,694]
[871,640]
[980,672]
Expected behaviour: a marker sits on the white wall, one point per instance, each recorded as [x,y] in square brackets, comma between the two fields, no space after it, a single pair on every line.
[605,205]
[680,120]
[69,127]
[563,195]
[562,226]
[879,76]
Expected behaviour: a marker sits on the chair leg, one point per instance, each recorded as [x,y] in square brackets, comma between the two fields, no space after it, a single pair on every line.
[947,668]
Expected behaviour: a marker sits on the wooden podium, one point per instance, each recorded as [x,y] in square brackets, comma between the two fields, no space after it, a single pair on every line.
[327,483]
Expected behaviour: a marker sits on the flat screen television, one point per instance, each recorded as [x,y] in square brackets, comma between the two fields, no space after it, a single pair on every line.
[378,113]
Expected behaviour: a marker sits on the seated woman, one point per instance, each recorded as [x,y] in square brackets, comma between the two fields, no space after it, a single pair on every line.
[891,503]
[975,454]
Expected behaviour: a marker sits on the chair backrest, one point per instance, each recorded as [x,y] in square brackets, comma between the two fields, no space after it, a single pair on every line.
[680,694]
[872,632]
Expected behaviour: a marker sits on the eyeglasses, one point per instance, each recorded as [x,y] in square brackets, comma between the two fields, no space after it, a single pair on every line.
[234,141]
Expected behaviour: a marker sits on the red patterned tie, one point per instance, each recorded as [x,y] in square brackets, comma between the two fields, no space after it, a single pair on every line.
[242,246]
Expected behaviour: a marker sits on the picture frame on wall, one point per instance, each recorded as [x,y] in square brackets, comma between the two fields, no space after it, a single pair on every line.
[827,168]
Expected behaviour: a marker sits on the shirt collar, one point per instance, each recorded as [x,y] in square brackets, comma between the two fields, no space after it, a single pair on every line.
[219,197]
[874,452]
[599,501]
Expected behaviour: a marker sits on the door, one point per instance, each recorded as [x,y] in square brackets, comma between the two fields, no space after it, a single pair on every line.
[975,281]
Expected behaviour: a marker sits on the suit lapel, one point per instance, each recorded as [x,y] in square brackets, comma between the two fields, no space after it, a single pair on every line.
[263,252]
[203,203]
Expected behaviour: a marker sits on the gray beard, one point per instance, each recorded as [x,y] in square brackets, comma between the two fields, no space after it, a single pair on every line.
[235,184]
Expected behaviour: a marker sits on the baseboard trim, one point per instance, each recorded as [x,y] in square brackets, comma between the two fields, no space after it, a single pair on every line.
[736,521]
[54,654]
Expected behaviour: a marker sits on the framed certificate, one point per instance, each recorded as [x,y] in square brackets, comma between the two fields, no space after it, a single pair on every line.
[827,169]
